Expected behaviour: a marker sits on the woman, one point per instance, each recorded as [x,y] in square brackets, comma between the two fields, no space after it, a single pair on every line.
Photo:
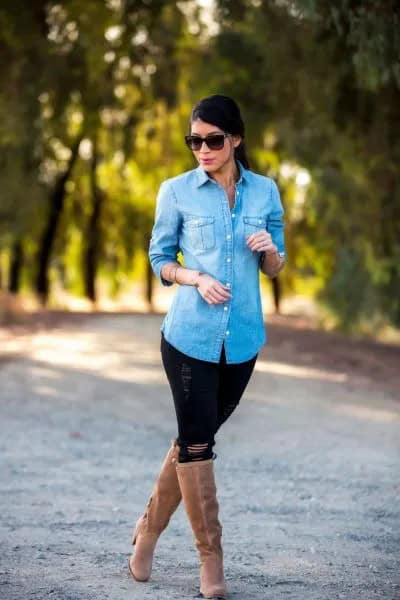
[227,222]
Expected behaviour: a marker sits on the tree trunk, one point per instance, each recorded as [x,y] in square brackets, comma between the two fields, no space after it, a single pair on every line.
[149,277]
[93,237]
[17,257]
[46,243]
[276,290]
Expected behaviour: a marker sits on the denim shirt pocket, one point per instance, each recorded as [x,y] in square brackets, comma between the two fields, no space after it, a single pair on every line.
[199,231]
[254,223]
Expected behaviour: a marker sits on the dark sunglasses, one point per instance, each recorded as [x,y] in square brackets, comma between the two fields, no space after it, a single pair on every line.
[215,141]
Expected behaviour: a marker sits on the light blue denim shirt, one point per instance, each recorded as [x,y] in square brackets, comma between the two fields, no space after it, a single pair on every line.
[193,215]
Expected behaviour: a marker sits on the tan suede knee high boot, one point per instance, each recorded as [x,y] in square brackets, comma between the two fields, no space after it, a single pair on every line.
[197,483]
[164,500]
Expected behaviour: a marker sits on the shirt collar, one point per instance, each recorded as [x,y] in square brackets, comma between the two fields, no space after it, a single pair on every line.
[202,175]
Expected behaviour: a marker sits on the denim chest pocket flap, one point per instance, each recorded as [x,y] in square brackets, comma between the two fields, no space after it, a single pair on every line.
[254,223]
[200,231]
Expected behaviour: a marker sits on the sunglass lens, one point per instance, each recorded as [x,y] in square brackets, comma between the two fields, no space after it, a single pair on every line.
[214,142]
[196,143]
[193,142]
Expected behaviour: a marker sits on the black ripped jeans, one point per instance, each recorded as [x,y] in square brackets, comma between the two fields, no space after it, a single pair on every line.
[205,394]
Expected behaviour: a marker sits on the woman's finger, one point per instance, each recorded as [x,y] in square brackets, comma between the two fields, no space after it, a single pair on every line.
[217,296]
[225,293]
[264,244]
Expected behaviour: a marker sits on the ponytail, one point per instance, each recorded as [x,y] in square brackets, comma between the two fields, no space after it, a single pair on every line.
[241,155]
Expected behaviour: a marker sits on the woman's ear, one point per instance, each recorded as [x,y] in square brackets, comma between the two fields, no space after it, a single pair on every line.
[237,140]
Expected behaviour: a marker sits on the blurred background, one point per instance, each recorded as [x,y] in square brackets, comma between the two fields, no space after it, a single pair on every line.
[95,100]
[94,104]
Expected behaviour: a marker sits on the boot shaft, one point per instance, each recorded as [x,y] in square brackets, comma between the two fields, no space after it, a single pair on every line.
[199,494]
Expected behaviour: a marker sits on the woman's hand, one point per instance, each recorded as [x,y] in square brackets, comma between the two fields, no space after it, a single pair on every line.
[212,290]
[262,242]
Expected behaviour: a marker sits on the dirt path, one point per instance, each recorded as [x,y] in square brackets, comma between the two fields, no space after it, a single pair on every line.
[307,470]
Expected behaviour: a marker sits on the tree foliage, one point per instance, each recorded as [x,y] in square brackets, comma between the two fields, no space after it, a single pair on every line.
[95,100]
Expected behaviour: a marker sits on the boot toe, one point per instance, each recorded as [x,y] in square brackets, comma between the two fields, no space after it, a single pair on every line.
[138,573]
[141,561]
[215,594]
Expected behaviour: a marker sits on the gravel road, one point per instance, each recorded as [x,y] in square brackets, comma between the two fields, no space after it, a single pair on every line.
[307,473]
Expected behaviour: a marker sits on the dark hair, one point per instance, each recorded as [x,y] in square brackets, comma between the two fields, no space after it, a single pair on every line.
[223,112]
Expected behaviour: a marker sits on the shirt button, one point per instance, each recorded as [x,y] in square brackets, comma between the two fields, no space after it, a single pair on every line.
[228,259]
[227,332]
[228,237]
[233,214]
[228,284]
[259,220]
[225,308]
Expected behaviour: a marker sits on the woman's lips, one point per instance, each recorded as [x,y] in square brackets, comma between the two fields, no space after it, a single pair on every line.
[206,160]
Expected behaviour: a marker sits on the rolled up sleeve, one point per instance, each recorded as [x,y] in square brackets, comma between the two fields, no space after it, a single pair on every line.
[164,241]
[276,225]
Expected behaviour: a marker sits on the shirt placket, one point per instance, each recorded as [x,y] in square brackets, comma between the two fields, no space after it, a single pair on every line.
[230,219]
